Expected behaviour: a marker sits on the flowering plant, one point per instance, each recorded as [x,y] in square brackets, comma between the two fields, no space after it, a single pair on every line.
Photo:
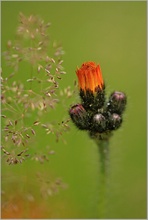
[98,116]
[94,113]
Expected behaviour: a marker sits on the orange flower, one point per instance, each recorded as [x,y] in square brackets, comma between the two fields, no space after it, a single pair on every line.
[90,77]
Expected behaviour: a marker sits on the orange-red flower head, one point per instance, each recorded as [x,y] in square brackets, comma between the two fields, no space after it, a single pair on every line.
[90,77]
[94,113]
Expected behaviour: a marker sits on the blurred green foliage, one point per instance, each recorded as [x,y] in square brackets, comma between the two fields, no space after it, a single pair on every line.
[112,34]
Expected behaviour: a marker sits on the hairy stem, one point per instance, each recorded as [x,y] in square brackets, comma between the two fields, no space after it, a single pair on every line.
[103,147]
[102,142]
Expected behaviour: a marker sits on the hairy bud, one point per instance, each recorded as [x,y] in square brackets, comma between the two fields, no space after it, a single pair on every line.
[117,102]
[115,121]
[79,116]
[99,123]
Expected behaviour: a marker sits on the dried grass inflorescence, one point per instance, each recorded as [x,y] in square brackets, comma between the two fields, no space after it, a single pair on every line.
[48,186]
[26,102]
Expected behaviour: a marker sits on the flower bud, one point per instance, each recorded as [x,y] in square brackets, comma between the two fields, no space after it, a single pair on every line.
[91,85]
[115,121]
[99,123]
[79,116]
[117,102]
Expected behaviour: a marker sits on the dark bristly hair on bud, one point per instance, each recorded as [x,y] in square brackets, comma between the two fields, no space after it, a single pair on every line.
[91,102]
[79,116]
[115,121]
[117,102]
[99,123]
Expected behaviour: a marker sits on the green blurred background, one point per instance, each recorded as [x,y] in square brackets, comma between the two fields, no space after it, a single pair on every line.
[112,34]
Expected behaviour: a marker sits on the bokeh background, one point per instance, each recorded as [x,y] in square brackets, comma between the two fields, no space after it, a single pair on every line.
[112,34]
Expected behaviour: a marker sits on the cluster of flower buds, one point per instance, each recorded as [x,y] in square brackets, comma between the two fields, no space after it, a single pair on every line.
[94,113]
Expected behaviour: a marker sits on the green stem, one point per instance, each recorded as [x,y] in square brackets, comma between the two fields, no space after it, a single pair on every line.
[102,142]
[103,147]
